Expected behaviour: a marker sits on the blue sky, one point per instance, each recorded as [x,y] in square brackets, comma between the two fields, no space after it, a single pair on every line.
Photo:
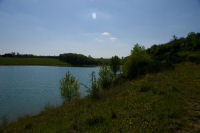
[100,28]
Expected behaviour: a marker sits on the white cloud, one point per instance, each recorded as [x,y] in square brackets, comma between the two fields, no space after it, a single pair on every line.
[113,38]
[105,33]
[94,15]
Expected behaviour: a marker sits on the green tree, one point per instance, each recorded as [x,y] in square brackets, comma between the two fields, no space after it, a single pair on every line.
[78,59]
[115,64]
[139,62]
[94,88]
[106,77]
[69,88]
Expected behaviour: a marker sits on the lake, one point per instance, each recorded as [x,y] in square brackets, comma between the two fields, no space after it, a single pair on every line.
[25,90]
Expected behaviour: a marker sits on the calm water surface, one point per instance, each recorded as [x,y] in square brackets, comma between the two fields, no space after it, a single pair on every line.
[26,89]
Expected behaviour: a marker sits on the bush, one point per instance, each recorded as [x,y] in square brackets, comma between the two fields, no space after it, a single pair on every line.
[69,88]
[94,89]
[194,59]
[95,120]
[145,87]
[139,62]
[106,77]
[115,64]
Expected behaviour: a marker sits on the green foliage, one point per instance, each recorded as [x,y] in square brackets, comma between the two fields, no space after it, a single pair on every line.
[139,62]
[115,64]
[194,58]
[95,120]
[169,52]
[102,61]
[13,54]
[69,88]
[77,59]
[106,77]
[31,61]
[94,89]
[145,87]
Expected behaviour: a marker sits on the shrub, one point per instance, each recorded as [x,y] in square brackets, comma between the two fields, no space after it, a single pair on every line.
[69,88]
[194,59]
[145,87]
[95,120]
[94,89]
[115,64]
[106,77]
[139,62]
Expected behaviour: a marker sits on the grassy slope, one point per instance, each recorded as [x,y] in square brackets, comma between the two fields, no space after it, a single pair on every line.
[163,102]
[31,61]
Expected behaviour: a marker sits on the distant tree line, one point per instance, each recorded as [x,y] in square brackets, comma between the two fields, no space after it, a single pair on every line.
[79,59]
[70,58]
[13,54]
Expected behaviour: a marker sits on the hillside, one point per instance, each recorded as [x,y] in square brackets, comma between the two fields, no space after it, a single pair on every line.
[164,102]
